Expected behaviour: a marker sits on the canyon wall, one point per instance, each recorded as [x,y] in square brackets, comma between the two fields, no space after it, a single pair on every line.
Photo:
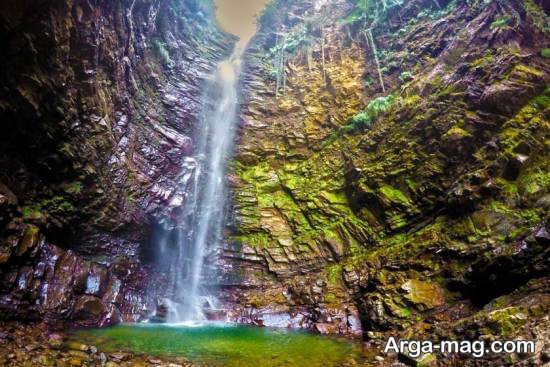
[409,197]
[98,102]
[389,178]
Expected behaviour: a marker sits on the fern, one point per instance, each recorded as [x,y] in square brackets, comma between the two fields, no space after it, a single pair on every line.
[365,118]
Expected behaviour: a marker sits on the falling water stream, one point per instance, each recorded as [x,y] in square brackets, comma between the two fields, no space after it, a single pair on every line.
[187,255]
[201,221]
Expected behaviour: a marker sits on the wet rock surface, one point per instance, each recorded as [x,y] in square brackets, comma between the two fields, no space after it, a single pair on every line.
[407,205]
[387,181]
[37,345]
[98,104]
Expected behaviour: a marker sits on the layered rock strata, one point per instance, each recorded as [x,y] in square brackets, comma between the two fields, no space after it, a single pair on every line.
[409,190]
[98,104]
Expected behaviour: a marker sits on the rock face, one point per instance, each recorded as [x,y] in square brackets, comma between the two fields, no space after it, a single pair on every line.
[37,345]
[413,205]
[98,103]
[388,180]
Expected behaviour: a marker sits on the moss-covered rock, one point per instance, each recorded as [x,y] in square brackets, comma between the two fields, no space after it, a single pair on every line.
[427,211]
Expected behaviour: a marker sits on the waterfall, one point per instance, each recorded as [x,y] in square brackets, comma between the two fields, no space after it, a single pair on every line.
[201,221]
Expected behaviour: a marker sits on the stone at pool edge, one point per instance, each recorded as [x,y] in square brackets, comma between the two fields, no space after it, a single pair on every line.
[161,314]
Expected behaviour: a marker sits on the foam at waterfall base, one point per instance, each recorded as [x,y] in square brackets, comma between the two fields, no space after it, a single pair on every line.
[187,324]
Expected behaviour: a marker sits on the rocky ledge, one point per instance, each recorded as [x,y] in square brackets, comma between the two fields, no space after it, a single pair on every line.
[36,345]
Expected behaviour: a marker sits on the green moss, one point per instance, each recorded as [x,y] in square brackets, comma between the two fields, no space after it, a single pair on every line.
[330,297]
[542,101]
[508,189]
[525,72]
[410,101]
[162,52]
[412,185]
[74,187]
[537,15]
[545,52]
[535,182]
[423,293]
[396,220]
[405,312]
[507,321]
[501,22]
[445,91]
[395,196]
[31,212]
[334,274]
[456,132]
[258,240]
[522,220]
[57,206]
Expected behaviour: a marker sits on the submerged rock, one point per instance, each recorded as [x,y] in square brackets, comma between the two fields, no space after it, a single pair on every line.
[33,345]
[161,314]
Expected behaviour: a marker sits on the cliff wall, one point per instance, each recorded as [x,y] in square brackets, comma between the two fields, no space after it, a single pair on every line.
[394,178]
[98,103]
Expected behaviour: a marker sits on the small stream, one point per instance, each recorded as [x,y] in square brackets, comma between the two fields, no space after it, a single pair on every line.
[231,345]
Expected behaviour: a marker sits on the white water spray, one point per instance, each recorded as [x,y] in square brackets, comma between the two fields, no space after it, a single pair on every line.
[201,222]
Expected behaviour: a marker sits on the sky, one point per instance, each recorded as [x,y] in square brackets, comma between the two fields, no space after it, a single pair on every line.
[239,17]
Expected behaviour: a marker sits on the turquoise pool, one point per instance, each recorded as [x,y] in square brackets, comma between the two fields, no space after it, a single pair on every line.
[228,345]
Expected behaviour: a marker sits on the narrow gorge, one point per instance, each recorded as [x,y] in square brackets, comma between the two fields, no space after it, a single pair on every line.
[273,183]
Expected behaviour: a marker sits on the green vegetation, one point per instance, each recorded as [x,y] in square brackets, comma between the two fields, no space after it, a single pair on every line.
[405,76]
[405,312]
[57,206]
[364,119]
[161,51]
[440,12]
[301,37]
[334,274]
[371,12]
[537,15]
[31,212]
[545,52]
[259,240]
[501,22]
[542,101]
[73,188]
[395,196]
[269,12]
